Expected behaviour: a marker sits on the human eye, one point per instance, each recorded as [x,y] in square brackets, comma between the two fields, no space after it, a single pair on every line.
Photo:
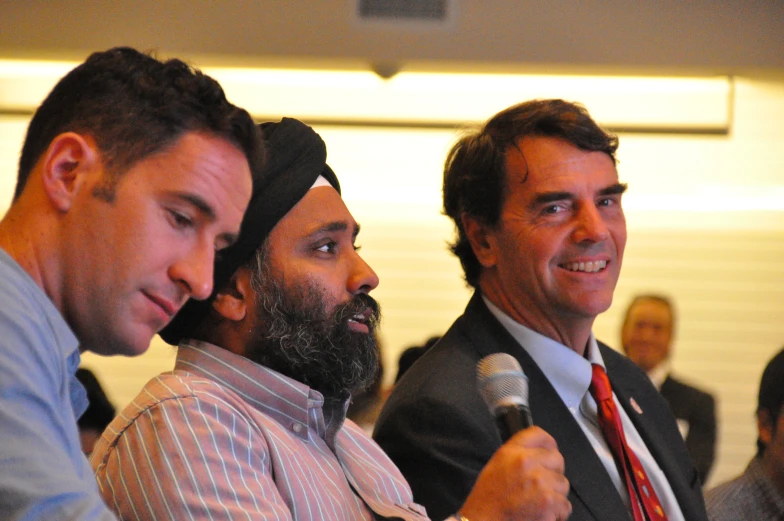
[608,201]
[179,220]
[553,208]
[327,247]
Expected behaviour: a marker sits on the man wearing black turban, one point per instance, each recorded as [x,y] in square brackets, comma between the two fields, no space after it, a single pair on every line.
[251,423]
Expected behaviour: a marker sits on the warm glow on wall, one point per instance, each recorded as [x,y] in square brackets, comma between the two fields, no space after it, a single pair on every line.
[632,103]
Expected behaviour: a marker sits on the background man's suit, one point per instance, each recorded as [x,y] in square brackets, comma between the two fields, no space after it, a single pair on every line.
[698,410]
[439,432]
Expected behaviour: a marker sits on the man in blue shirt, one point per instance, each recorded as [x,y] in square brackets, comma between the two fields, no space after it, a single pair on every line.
[132,174]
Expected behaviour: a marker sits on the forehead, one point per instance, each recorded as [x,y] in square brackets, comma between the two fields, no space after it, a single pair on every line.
[320,207]
[208,165]
[549,163]
[649,309]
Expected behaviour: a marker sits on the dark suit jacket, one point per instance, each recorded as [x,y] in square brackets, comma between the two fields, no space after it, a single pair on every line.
[438,430]
[698,409]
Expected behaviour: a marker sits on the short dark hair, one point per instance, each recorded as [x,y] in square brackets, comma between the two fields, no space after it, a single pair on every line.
[475,170]
[656,297]
[134,105]
[771,393]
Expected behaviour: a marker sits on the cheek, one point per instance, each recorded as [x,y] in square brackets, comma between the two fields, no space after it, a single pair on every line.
[328,284]
[619,237]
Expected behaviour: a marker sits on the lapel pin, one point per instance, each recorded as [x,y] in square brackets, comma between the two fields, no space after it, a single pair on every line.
[635,406]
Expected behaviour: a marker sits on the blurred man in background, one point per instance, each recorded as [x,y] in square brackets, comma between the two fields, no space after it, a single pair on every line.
[646,335]
[758,493]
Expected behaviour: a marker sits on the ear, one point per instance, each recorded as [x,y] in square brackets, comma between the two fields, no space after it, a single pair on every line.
[482,240]
[765,426]
[66,165]
[232,301]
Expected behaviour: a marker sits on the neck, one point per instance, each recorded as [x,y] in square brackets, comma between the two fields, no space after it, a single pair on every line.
[571,331]
[25,238]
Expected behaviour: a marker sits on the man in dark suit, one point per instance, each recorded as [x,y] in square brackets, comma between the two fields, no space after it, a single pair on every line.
[536,200]
[647,334]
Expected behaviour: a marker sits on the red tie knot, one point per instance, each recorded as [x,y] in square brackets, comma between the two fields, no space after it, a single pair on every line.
[600,384]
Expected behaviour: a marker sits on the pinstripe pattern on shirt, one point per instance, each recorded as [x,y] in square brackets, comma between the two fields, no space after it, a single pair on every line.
[222,438]
[752,496]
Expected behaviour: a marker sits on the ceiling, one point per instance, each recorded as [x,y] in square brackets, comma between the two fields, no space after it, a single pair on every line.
[672,36]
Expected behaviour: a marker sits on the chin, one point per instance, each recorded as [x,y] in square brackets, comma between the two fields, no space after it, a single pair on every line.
[599,304]
[134,344]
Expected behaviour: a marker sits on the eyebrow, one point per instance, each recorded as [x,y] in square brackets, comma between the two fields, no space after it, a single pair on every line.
[616,189]
[207,211]
[336,226]
[550,197]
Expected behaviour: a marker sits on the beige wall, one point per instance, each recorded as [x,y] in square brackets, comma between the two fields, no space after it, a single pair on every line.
[706,224]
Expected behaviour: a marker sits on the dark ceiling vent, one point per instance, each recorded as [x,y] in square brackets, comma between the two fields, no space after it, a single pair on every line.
[403,10]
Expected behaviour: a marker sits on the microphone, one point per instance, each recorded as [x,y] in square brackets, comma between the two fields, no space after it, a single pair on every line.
[504,387]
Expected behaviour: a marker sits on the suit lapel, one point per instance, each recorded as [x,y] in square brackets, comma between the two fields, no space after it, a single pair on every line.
[587,476]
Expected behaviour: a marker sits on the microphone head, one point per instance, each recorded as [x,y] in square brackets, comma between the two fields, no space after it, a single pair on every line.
[501,382]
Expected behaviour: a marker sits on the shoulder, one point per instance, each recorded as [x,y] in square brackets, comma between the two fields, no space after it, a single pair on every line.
[676,386]
[171,406]
[444,375]
[444,371]
[34,338]
[436,399]
[20,296]
[730,500]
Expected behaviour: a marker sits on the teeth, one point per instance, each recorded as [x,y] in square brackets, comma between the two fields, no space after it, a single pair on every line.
[587,267]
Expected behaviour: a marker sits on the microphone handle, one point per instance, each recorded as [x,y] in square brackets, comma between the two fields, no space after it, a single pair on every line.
[511,419]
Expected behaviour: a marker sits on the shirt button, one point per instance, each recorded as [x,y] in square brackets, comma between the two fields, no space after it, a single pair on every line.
[298,428]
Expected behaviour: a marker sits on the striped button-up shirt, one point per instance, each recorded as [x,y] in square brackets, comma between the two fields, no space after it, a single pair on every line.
[752,496]
[221,437]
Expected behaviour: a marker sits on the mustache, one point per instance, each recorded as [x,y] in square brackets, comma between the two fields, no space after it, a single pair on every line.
[358,305]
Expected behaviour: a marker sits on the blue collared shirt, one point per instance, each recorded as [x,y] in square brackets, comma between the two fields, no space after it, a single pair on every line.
[43,473]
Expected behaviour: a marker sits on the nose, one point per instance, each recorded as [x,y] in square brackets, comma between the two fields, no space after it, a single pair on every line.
[362,278]
[591,227]
[646,333]
[194,271]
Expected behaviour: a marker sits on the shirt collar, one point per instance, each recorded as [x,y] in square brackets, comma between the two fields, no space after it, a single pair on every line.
[64,339]
[659,373]
[289,402]
[568,372]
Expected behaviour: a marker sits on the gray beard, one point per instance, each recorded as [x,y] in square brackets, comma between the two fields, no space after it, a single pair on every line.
[299,338]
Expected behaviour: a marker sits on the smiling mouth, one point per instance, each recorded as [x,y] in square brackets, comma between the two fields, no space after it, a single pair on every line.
[585,267]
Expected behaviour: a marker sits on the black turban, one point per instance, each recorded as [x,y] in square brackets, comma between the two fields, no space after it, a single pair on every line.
[296,158]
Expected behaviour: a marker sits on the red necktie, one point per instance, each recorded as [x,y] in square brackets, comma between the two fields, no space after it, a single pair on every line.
[641,494]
